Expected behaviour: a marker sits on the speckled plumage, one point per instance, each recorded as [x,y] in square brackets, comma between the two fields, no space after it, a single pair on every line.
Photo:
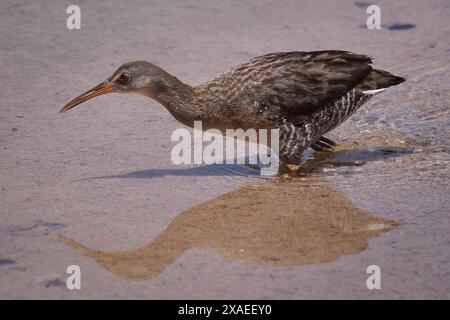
[304,94]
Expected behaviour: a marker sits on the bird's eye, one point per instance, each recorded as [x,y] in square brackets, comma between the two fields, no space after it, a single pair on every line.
[124,78]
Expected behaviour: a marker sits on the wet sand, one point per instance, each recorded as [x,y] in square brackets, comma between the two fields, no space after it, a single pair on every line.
[102,175]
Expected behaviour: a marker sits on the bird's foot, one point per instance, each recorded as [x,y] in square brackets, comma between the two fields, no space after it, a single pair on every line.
[290,170]
[294,170]
[323,144]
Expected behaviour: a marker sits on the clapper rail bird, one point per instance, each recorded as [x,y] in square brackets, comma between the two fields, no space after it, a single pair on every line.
[303,94]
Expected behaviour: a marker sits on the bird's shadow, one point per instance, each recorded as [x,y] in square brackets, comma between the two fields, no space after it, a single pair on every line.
[320,160]
[197,171]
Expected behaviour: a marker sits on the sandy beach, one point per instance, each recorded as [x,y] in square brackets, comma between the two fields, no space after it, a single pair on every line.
[95,187]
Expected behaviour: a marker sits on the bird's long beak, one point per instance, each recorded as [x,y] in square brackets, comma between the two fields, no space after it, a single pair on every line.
[98,90]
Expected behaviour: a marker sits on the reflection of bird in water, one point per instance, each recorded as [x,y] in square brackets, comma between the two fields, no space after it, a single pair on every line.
[264,224]
[304,94]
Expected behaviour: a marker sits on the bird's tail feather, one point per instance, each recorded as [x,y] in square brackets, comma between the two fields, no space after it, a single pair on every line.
[378,80]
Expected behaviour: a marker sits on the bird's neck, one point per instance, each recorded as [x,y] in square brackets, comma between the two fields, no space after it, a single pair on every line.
[179,99]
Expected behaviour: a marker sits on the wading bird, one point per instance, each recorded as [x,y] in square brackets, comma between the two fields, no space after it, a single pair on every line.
[304,94]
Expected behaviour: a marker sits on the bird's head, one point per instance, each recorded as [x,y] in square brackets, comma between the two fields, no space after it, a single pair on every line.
[139,77]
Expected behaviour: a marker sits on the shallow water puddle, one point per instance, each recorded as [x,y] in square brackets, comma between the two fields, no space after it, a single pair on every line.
[273,223]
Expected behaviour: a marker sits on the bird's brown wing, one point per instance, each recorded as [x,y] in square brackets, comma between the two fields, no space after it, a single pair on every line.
[296,84]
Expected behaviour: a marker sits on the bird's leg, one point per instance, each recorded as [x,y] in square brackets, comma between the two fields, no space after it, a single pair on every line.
[323,144]
[326,140]
[291,165]
[293,170]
